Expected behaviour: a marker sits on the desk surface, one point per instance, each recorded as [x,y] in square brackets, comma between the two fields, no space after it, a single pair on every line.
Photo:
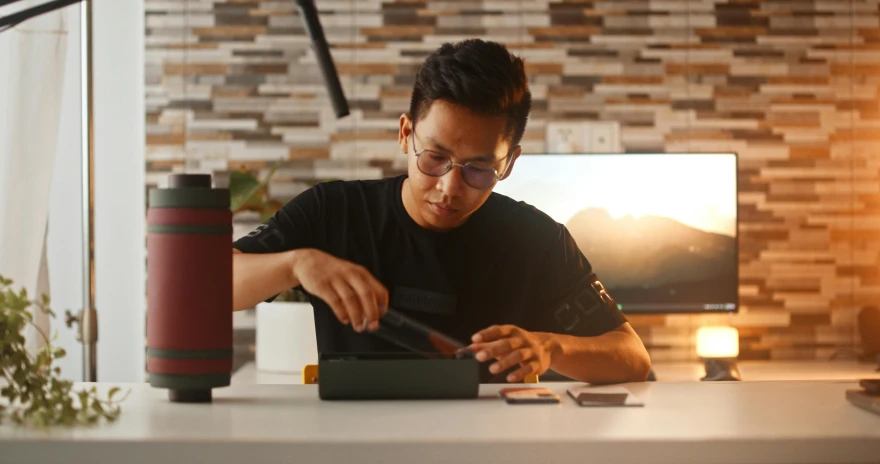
[773,370]
[743,422]
[666,372]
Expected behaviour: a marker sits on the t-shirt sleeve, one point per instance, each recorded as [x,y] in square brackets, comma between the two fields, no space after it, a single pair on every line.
[296,225]
[574,300]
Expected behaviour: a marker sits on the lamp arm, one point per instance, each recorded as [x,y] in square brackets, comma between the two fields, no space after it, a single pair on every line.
[309,16]
[10,21]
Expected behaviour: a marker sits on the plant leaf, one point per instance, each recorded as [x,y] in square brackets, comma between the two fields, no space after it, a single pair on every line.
[113,414]
[32,392]
[247,191]
[242,186]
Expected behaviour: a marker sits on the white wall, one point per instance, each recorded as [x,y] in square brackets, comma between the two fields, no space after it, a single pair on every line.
[118,78]
[64,241]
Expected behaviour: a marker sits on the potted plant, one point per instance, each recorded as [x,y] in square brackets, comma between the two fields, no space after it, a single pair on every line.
[32,392]
[285,328]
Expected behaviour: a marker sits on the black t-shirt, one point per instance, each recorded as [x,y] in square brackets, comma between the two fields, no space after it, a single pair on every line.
[508,264]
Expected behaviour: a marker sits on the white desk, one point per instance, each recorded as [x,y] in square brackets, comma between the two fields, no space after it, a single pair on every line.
[773,370]
[666,372]
[691,422]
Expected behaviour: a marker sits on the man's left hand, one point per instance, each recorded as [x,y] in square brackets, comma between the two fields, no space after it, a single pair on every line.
[510,345]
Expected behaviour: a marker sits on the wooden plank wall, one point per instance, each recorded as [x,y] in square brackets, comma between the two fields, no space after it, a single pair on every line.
[791,85]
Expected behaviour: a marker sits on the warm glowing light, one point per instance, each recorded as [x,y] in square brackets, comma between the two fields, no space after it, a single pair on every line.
[717,342]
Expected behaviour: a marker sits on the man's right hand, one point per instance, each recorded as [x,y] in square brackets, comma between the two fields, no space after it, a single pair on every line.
[354,295]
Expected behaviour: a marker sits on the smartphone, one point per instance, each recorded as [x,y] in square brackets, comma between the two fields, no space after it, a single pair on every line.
[604,396]
[602,399]
[518,395]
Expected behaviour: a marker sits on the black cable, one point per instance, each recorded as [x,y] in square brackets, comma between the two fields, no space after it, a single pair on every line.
[8,22]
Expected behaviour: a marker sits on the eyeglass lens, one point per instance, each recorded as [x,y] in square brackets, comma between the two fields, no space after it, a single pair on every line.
[436,164]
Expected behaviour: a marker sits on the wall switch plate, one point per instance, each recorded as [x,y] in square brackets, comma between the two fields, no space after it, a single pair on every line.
[605,137]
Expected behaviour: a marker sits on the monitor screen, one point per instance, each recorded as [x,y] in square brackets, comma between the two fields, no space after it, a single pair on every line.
[659,229]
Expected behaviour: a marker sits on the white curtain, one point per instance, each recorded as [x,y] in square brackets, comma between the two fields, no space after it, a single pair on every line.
[32,65]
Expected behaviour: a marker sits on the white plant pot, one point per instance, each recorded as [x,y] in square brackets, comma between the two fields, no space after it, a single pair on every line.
[285,337]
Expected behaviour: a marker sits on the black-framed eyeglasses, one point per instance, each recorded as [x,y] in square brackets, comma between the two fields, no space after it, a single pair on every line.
[477,174]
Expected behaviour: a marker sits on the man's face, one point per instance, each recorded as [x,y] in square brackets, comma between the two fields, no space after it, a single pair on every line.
[448,130]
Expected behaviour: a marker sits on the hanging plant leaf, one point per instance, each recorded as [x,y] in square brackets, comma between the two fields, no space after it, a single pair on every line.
[34,394]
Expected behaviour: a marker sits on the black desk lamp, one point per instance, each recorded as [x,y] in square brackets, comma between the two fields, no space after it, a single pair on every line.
[87,319]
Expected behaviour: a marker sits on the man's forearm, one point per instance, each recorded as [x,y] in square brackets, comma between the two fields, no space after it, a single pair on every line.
[256,277]
[614,357]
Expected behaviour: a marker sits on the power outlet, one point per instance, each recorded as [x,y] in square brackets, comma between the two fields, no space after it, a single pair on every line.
[583,137]
[567,137]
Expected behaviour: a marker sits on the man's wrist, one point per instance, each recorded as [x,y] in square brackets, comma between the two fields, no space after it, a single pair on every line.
[293,258]
[553,345]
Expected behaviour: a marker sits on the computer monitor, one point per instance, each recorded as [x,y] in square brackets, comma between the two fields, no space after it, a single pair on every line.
[659,229]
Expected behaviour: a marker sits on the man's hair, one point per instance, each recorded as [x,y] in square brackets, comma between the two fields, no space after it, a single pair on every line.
[478,75]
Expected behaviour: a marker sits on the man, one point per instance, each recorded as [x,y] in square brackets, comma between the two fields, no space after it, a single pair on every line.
[439,246]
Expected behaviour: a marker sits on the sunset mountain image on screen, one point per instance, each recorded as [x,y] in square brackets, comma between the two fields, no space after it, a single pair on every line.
[659,229]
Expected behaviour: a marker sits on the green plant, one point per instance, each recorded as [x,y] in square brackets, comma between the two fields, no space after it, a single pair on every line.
[248,193]
[32,388]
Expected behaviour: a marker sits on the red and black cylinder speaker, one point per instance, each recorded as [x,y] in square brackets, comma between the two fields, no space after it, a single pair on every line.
[189,288]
